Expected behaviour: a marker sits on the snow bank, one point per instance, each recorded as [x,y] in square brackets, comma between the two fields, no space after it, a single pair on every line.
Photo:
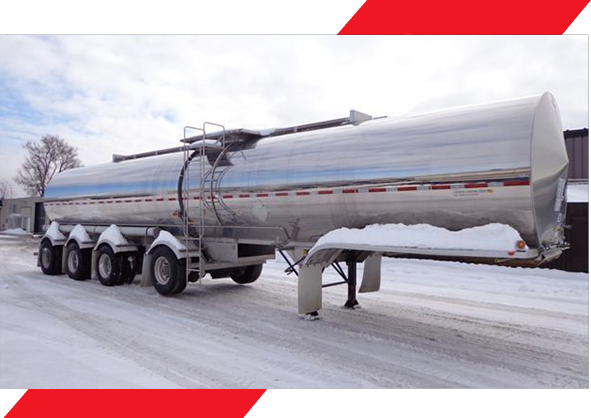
[491,237]
[577,193]
[16,231]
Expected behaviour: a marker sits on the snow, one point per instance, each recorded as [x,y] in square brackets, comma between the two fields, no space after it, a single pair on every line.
[79,234]
[577,193]
[113,235]
[54,233]
[266,132]
[166,238]
[16,231]
[491,237]
[206,143]
[433,324]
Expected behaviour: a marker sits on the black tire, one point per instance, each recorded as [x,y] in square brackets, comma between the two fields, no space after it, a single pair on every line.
[168,273]
[182,282]
[108,266]
[221,273]
[246,275]
[129,263]
[77,262]
[50,258]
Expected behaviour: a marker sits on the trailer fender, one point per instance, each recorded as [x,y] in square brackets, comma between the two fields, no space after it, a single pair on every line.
[54,235]
[167,239]
[113,237]
[81,237]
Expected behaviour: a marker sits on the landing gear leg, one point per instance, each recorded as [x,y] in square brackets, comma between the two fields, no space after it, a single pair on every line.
[351,282]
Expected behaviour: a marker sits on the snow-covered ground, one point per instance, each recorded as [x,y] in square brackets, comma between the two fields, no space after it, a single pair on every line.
[433,324]
[15,231]
[577,193]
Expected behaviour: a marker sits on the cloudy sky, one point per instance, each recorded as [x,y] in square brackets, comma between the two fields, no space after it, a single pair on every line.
[125,94]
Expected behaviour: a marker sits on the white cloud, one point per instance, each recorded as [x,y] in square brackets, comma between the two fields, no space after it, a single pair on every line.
[126,94]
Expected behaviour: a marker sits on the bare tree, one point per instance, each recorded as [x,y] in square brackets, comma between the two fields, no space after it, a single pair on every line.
[6,190]
[45,159]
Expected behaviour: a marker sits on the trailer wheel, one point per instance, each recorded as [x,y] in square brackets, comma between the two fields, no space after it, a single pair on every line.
[77,262]
[50,258]
[108,267]
[248,274]
[168,273]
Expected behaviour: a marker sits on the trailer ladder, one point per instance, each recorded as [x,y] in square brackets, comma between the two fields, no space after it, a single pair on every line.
[212,153]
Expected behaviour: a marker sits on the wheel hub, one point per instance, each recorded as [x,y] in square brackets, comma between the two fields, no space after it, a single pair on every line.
[46,257]
[105,266]
[73,261]
[162,270]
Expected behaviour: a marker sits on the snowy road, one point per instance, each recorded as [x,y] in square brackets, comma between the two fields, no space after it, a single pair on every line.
[433,324]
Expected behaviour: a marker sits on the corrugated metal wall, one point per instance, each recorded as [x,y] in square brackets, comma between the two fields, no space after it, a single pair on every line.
[577,147]
[576,258]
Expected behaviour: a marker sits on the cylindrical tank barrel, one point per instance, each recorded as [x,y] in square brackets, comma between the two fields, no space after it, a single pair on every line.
[457,168]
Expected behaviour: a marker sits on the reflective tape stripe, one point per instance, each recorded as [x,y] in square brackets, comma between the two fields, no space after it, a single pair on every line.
[516,183]
[389,189]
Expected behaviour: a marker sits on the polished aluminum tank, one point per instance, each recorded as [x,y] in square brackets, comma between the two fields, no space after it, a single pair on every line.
[500,162]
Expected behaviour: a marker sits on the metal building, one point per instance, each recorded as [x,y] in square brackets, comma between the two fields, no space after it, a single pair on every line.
[576,258]
[577,147]
[26,213]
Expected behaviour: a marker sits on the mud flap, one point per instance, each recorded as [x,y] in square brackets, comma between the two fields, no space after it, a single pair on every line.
[372,274]
[93,272]
[309,284]
[146,279]
[309,289]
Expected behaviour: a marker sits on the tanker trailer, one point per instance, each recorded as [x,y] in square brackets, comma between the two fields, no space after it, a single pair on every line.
[223,202]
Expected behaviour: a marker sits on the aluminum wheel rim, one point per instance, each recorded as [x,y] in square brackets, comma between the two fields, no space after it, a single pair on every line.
[73,261]
[105,266]
[162,270]
[46,257]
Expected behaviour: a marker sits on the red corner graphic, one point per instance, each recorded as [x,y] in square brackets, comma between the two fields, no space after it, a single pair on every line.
[145,403]
[437,17]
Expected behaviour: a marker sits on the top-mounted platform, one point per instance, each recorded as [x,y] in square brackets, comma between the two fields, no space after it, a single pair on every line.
[244,138]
